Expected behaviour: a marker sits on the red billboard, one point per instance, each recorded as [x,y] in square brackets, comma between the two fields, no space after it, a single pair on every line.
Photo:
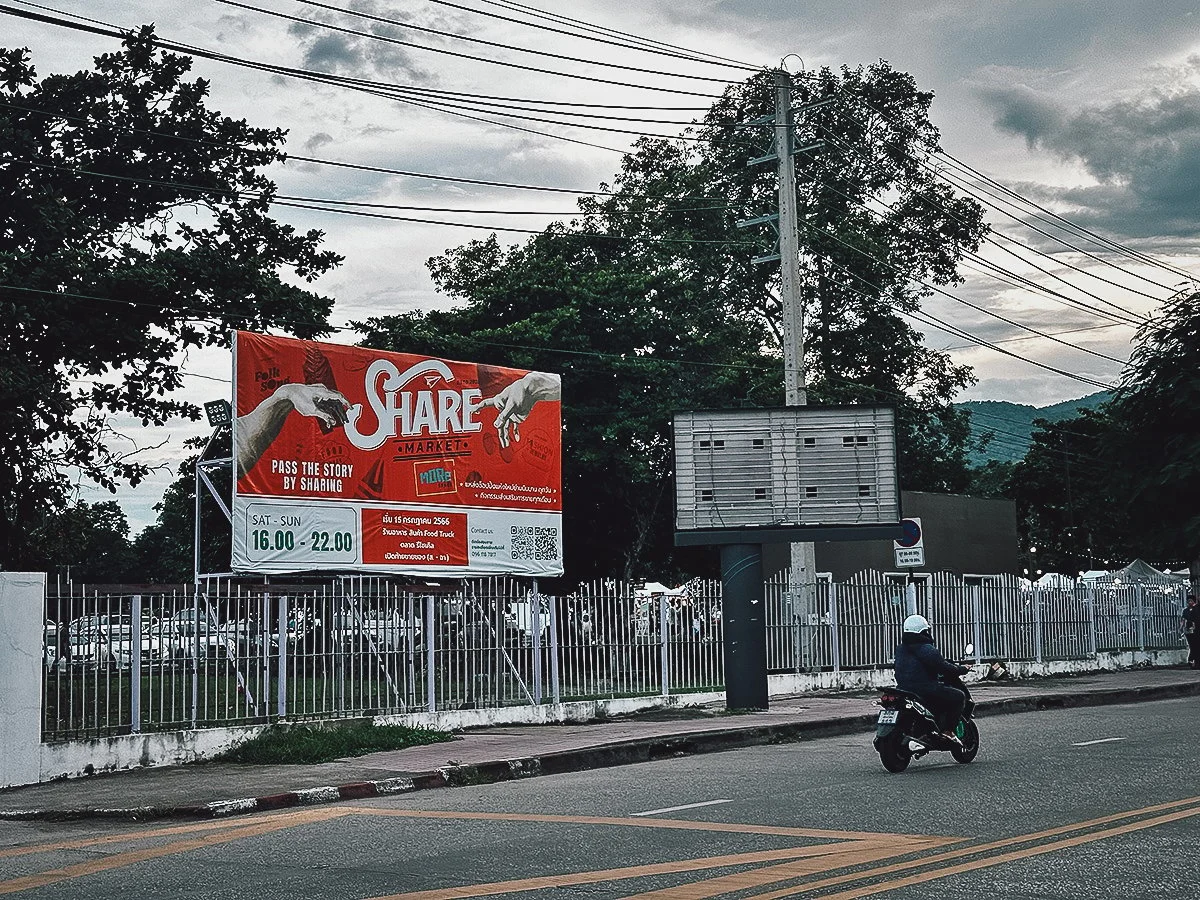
[365,460]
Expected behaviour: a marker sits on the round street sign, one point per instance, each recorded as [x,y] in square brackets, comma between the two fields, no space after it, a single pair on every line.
[912,533]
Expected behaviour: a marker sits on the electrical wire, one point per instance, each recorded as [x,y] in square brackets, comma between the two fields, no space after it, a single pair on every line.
[108,30]
[635,41]
[1129,315]
[936,152]
[689,56]
[286,157]
[446,34]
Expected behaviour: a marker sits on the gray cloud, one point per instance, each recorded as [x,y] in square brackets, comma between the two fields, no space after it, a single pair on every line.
[1142,150]
[317,141]
[357,50]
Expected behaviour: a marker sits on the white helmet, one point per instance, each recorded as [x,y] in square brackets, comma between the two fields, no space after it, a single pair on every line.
[916,624]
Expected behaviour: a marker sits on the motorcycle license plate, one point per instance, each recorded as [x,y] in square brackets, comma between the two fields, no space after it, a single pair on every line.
[888,717]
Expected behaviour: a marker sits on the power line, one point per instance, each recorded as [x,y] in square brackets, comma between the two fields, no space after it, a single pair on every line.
[1066,224]
[108,30]
[1125,312]
[286,157]
[688,55]
[935,151]
[636,40]
[446,34]
[959,183]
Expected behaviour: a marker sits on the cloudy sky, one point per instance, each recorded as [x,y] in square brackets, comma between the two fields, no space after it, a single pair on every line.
[1089,108]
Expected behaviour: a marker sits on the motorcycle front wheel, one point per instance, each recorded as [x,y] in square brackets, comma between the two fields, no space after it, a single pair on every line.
[894,753]
[969,735]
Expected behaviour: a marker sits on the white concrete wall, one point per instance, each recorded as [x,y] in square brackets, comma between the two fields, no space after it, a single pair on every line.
[22,605]
[80,758]
[71,759]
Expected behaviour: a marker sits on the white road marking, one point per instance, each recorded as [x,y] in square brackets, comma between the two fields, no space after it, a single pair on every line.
[1101,741]
[655,812]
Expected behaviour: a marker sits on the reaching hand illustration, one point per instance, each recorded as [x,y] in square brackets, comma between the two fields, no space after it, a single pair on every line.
[515,402]
[258,428]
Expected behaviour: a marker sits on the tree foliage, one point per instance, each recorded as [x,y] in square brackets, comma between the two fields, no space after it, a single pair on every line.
[1153,448]
[134,226]
[1066,507]
[85,543]
[649,302]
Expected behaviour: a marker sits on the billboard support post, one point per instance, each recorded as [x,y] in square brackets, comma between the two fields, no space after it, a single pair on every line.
[744,478]
[742,610]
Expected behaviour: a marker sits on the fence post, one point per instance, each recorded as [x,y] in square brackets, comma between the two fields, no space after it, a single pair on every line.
[535,642]
[1091,604]
[663,635]
[835,644]
[555,694]
[430,655]
[281,704]
[1037,624]
[196,658]
[1141,616]
[135,664]
[977,613]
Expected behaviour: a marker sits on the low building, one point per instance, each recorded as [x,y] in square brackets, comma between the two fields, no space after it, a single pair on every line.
[964,535]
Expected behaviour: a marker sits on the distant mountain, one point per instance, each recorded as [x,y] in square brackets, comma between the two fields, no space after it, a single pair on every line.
[1012,424]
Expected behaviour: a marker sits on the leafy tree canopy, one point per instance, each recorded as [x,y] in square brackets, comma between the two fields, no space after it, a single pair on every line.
[86,543]
[134,226]
[1153,448]
[649,302]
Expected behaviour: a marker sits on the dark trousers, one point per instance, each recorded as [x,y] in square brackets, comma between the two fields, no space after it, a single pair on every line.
[1194,650]
[946,704]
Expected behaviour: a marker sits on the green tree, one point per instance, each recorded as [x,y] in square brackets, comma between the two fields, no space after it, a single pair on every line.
[85,542]
[650,303]
[164,551]
[1065,502]
[1154,444]
[134,225]
[878,233]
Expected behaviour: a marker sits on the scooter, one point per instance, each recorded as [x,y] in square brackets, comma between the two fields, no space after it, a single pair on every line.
[907,730]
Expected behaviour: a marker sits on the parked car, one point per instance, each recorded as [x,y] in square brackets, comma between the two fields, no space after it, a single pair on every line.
[186,633]
[519,624]
[108,643]
[387,630]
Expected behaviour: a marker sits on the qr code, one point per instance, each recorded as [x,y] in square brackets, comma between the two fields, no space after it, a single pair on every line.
[529,542]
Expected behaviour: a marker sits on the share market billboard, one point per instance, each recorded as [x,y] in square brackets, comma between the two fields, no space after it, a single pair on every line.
[350,459]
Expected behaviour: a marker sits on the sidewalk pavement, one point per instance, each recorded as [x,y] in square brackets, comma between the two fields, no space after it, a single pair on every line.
[501,753]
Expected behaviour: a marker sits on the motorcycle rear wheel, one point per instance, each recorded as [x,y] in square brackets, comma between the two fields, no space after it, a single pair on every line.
[894,753]
[970,742]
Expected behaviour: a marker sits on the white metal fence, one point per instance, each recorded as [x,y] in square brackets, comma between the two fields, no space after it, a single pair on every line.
[234,652]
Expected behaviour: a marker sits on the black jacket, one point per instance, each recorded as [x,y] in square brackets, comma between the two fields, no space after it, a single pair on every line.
[1191,620]
[918,663]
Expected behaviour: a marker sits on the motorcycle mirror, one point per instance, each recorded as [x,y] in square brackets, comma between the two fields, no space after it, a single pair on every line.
[970,650]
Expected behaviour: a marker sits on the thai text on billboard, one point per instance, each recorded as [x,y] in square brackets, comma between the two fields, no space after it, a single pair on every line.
[353,459]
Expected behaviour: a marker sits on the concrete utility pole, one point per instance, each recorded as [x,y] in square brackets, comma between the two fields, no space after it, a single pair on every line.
[804,567]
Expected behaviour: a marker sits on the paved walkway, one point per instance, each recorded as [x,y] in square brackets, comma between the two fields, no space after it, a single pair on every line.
[500,753]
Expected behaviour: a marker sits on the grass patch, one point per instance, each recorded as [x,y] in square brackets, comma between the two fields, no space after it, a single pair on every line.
[304,744]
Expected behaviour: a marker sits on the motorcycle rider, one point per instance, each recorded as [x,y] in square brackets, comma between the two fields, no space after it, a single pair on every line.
[918,667]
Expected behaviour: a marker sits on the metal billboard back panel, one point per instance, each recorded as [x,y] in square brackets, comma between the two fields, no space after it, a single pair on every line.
[352,459]
[829,471]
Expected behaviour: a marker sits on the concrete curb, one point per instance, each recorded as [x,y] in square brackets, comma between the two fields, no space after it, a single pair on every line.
[601,756]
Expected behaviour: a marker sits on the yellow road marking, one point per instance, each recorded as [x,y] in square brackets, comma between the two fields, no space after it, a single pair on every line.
[1011,856]
[598,875]
[993,845]
[120,860]
[850,853]
[125,838]
[852,849]
[685,824]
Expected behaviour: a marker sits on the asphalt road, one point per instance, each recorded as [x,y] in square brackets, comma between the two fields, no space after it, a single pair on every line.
[1094,803]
